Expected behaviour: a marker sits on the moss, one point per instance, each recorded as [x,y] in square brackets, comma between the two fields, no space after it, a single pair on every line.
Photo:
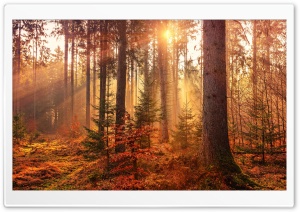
[240,181]
[212,178]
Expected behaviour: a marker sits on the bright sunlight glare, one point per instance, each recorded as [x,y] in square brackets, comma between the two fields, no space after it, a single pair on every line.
[167,34]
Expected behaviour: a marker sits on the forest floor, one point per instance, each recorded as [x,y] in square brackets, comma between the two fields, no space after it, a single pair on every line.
[56,163]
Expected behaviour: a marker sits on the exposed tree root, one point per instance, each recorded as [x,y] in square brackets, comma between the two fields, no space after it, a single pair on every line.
[240,181]
[218,180]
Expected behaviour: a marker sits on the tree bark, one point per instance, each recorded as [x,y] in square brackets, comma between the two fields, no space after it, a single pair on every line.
[72,72]
[103,74]
[34,75]
[66,33]
[121,84]
[94,64]
[88,60]
[17,106]
[162,63]
[254,77]
[216,149]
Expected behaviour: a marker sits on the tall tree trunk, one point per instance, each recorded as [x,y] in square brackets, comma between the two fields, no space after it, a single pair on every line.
[88,77]
[230,70]
[103,74]
[66,33]
[254,77]
[269,97]
[174,79]
[185,51]
[146,67]
[34,77]
[154,72]
[132,82]
[94,64]
[121,84]
[106,107]
[283,111]
[162,63]
[18,59]
[216,149]
[176,107]
[76,66]
[240,130]
[72,72]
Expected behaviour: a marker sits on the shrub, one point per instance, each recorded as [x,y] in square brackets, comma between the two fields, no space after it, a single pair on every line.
[19,130]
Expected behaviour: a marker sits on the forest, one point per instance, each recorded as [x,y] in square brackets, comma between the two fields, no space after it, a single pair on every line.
[149,104]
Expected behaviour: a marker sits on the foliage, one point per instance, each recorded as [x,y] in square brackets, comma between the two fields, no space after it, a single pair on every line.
[98,137]
[146,110]
[71,131]
[145,113]
[261,130]
[19,130]
[127,163]
[185,129]
[34,176]
[56,165]
[198,129]
[34,136]
[75,128]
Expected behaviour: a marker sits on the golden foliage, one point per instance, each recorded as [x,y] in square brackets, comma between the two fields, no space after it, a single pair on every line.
[57,163]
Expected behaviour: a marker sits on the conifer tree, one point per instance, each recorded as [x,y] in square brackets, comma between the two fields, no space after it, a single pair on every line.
[185,129]
[258,132]
[100,138]
[19,129]
[198,128]
[146,112]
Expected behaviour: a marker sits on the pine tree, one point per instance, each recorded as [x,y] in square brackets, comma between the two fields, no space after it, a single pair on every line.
[19,129]
[146,112]
[121,82]
[100,139]
[109,118]
[198,129]
[185,129]
[258,132]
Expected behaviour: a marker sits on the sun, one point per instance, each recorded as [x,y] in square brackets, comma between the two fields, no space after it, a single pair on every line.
[167,34]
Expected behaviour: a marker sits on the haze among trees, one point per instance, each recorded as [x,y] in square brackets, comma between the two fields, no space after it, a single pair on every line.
[149,105]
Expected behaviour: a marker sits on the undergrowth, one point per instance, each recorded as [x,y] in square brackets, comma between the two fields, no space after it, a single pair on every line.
[58,163]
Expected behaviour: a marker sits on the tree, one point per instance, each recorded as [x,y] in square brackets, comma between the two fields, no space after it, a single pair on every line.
[162,64]
[66,34]
[36,34]
[262,128]
[19,129]
[145,112]
[103,67]
[216,149]
[121,82]
[17,40]
[185,127]
[72,68]
[55,69]
[88,76]
[104,132]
